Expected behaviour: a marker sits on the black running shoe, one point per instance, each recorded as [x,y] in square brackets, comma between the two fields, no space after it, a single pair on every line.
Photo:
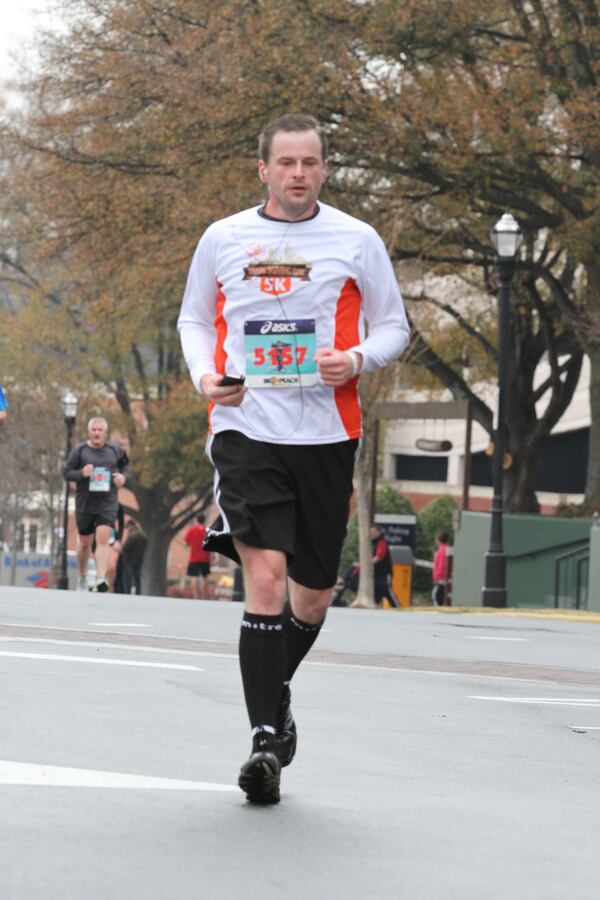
[259,776]
[100,587]
[287,738]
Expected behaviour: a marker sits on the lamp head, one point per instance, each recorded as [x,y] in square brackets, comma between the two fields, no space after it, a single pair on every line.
[69,405]
[506,237]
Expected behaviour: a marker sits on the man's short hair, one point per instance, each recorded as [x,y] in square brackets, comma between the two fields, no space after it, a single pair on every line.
[95,419]
[201,518]
[289,122]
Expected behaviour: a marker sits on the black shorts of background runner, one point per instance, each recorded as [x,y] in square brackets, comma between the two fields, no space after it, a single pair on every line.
[198,568]
[289,497]
[88,522]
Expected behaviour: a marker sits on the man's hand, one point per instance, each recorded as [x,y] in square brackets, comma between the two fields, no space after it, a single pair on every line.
[335,366]
[87,470]
[225,396]
[119,479]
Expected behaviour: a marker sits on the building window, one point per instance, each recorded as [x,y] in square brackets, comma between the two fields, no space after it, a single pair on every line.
[421,468]
[481,469]
[20,538]
[33,537]
[562,463]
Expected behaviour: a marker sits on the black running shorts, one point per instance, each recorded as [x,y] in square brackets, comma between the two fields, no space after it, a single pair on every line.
[88,522]
[198,568]
[289,497]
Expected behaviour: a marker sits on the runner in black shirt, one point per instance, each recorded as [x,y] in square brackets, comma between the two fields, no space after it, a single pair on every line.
[99,469]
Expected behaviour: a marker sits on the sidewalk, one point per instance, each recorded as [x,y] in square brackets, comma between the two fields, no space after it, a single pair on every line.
[577,615]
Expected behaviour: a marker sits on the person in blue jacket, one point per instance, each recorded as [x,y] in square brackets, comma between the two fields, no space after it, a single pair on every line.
[3,404]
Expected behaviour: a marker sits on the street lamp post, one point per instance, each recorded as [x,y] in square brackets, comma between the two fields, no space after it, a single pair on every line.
[506,238]
[69,405]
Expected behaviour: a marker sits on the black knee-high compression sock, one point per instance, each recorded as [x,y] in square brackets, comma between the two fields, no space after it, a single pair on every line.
[299,638]
[263,665]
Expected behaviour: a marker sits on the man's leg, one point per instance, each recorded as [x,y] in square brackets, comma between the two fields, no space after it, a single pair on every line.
[84,547]
[262,644]
[303,617]
[303,620]
[103,533]
[379,592]
[263,665]
[127,577]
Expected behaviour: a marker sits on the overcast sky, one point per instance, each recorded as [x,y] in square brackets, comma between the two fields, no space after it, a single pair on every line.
[20,19]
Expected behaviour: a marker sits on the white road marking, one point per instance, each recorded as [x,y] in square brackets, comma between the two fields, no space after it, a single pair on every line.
[138,648]
[234,656]
[586,727]
[551,701]
[93,659]
[17,773]
[481,637]
[119,625]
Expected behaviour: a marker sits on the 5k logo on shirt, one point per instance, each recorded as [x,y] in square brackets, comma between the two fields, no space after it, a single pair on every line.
[275,285]
[276,273]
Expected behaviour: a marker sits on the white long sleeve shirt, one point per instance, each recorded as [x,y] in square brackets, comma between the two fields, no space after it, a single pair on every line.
[263,294]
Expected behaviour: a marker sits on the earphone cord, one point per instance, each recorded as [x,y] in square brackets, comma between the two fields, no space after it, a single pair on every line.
[285,437]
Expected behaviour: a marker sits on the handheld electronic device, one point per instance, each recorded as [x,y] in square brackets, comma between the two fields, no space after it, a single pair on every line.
[229,380]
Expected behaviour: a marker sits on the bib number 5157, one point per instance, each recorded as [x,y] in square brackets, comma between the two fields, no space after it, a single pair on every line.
[279,356]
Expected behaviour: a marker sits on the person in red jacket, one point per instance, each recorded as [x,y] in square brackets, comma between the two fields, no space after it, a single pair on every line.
[382,568]
[440,569]
[199,558]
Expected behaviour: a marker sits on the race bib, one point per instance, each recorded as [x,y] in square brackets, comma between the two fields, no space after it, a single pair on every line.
[100,479]
[280,353]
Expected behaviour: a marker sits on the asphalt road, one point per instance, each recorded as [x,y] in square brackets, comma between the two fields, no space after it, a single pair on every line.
[440,756]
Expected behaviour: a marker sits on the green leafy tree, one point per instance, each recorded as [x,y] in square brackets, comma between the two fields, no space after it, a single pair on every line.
[439,515]
[463,116]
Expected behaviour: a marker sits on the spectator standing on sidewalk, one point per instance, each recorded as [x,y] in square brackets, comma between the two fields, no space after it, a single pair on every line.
[440,569]
[382,568]
[133,551]
[99,468]
[199,559]
[3,404]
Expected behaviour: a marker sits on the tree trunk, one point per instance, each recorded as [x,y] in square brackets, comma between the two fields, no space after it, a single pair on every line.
[519,480]
[365,597]
[592,492]
[154,569]
[13,552]
[154,516]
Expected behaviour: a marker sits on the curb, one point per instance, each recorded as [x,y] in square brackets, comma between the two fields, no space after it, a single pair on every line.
[561,615]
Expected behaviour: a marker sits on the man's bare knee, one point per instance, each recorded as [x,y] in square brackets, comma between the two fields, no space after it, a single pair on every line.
[309,604]
[103,533]
[264,579]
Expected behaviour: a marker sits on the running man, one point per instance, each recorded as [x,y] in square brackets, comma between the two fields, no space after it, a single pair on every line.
[99,469]
[283,443]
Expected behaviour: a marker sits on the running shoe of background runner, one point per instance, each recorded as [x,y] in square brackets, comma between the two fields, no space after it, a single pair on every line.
[100,588]
[287,738]
[259,776]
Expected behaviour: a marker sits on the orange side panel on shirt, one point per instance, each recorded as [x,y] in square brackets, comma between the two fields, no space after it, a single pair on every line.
[347,316]
[221,329]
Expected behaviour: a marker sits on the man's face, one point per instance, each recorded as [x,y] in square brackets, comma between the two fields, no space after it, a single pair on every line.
[294,174]
[97,434]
